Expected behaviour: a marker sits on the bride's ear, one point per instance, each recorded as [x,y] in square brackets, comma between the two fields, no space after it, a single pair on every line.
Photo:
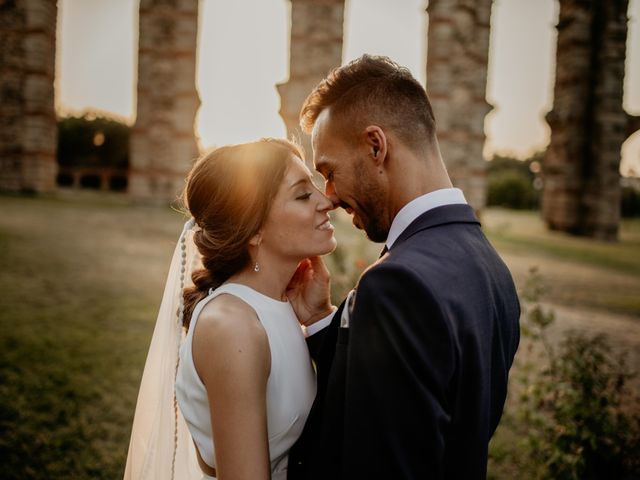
[256,239]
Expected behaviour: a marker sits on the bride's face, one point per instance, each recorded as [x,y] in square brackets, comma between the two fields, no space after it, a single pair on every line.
[298,223]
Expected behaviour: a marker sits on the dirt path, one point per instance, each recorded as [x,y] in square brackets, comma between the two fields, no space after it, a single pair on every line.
[623,331]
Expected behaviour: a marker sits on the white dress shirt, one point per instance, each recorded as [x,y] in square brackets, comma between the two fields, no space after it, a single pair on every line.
[404,218]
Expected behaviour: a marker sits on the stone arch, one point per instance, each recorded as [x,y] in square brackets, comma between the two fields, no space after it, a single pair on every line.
[588,122]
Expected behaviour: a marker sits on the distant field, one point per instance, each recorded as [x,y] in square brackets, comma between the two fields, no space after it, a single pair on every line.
[584,273]
[81,278]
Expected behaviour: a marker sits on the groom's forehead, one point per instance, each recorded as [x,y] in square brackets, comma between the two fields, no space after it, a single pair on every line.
[323,126]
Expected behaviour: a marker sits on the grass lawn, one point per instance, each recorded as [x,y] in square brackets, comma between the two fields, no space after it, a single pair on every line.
[81,277]
[583,273]
[81,283]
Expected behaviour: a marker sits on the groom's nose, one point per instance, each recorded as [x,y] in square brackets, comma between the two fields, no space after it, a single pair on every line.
[330,192]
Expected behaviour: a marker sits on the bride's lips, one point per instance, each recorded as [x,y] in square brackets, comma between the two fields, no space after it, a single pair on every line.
[325,226]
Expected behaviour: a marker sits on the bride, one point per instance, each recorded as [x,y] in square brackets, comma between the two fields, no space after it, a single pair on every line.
[228,381]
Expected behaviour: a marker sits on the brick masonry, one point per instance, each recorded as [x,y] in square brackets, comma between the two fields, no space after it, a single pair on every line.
[315,48]
[588,123]
[28,131]
[457,54]
[163,143]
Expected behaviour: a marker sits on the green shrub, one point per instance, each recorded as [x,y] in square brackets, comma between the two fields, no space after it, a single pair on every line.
[511,189]
[578,416]
[511,182]
[89,140]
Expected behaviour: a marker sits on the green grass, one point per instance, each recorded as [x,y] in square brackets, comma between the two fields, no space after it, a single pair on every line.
[604,276]
[524,232]
[81,283]
[81,278]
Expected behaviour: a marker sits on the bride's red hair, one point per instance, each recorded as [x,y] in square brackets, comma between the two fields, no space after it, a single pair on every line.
[229,193]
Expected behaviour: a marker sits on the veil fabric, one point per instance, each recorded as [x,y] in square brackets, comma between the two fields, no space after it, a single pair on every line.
[161,447]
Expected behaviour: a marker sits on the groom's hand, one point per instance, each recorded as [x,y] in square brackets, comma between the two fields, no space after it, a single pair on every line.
[309,291]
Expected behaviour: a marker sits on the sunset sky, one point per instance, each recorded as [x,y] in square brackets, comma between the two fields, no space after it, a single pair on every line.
[243,53]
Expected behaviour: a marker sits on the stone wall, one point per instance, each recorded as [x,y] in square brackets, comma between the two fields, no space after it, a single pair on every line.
[588,124]
[163,143]
[28,131]
[316,48]
[457,55]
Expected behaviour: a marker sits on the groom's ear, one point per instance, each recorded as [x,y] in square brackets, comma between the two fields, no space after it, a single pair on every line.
[376,142]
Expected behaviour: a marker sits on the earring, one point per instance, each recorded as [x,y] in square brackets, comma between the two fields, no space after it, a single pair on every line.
[256,266]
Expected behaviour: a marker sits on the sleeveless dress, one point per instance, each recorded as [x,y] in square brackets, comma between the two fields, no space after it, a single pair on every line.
[291,386]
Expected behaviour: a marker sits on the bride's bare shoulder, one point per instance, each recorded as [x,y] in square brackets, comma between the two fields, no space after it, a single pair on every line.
[225,306]
[227,318]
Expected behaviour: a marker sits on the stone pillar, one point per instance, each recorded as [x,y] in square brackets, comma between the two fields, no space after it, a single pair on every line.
[163,143]
[457,55]
[588,124]
[315,48]
[28,130]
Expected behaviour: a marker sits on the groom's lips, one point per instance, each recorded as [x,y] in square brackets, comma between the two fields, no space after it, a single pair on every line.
[354,217]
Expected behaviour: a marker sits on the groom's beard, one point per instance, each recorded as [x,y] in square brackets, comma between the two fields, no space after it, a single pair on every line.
[371,214]
[374,228]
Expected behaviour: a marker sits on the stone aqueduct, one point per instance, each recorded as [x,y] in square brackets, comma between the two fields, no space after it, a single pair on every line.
[588,122]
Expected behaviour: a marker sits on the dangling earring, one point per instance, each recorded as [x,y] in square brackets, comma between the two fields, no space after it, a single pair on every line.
[256,266]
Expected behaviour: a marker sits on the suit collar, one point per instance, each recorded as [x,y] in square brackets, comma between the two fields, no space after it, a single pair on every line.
[420,205]
[446,214]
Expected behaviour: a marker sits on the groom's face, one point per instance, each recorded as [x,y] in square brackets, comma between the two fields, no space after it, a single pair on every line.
[350,179]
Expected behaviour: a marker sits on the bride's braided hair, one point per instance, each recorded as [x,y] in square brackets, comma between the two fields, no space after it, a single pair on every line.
[229,193]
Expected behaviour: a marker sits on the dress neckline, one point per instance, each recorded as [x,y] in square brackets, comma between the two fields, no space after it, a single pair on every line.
[256,292]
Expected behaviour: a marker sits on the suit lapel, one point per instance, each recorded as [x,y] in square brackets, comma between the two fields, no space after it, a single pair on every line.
[446,214]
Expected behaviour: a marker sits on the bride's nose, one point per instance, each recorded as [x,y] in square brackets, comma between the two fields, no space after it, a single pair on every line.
[325,203]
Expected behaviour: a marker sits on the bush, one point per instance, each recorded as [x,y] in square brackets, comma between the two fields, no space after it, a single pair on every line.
[511,182]
[511,189]
[90,141]
[578,416]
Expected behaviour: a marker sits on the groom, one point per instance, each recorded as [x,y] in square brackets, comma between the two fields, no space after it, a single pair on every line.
[413,367]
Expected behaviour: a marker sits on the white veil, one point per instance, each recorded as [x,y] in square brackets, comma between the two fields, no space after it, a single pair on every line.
[161,447]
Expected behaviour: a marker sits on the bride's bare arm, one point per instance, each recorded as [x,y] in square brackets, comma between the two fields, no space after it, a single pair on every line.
[232,357]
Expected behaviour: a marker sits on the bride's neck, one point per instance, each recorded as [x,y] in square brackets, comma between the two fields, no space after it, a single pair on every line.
[271,279]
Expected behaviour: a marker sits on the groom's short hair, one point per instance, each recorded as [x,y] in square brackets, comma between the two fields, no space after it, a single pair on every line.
[373,90]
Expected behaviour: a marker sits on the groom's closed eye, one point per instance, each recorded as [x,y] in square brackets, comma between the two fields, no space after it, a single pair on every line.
[324,169]
[327,173]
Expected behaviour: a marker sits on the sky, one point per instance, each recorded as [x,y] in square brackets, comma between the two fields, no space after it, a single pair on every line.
[243,54]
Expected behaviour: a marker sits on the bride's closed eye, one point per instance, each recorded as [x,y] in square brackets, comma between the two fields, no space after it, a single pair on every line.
[304,196]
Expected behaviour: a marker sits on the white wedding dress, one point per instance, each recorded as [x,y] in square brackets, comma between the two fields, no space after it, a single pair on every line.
[291,386]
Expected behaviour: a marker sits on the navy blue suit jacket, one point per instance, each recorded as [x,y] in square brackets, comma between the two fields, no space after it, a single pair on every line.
[415,387]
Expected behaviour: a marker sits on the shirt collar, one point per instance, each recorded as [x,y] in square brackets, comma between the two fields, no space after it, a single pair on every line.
[420,205]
